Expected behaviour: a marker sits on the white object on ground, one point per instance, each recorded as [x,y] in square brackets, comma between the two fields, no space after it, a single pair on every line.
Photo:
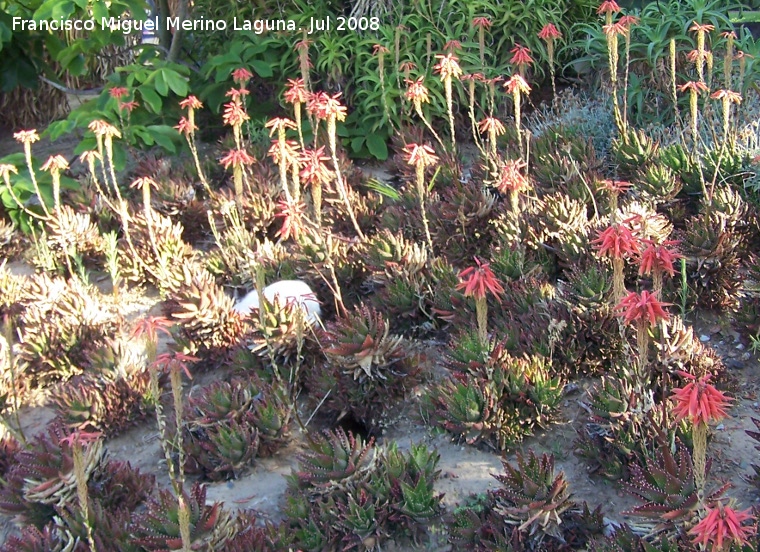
[283,293]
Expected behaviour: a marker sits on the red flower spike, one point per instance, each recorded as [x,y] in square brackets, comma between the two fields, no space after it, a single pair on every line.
[730,95]
[149,326]
[292,214]
[699,401]
[191,102]
[696,86]
[608,6]
[416,91]
[658,257]
[185,127]
[235,158]
[168,361]
[617,242]
[234,114]
[616,28]
[520,55]
[296,92]
[314,170]
[118,92]
[699,28]
[452,46]
[416,154]
[646,306]
[129,106]
[628,21]
[481,21]
[448,66]
[722,525]
[323,106]
[549,32]
[478,280]
[242,76]
[510,177]
[516,82]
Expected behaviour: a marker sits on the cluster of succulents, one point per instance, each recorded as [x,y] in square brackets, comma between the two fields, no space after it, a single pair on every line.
[531,510]
[570,226]
[347,493]
[62,325]
[227,425]
[494,397]
[367,369]
[207,321]
[160,526]
[41,485]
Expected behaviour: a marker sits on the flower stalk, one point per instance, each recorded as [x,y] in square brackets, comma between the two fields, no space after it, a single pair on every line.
[187,127]
[477,281]
[448,68]
[27,138]
[700,403]
[517,86]
[549,33]
[421,157]
[417,93]
[644,310]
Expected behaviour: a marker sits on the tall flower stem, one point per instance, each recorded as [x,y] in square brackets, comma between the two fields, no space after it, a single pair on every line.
[476,282]
[175,377]
[700,403]
[82,494]
[421,157]
[673,78]
[645,310]
[517,86]
[192,103]
[699,443]
[549,33]
[611,32]
[27,138]
[16,405]
[448,68]
[417,92]
[471,112]
[331,135]
[481,313]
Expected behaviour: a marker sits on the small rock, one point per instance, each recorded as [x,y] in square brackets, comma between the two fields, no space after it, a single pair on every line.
[734,364]
[704,338]
[746,356]
[740,347]
[714,329]
[720,427]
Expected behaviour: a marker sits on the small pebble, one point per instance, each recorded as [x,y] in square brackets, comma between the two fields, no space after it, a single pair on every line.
[704,338]
[746,356]
[734,364]
[720,427]
[740,347]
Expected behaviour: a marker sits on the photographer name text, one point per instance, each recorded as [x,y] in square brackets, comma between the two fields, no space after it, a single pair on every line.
[257,26]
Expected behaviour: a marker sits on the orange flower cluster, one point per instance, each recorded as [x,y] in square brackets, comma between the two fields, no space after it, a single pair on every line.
[478,280]
[699,400]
